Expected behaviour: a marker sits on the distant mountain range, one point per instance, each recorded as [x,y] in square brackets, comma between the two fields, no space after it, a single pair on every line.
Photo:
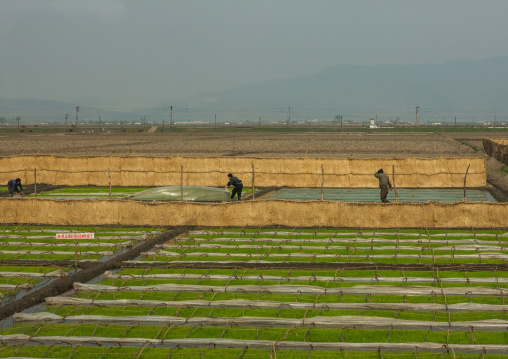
[459,88]
[470,90]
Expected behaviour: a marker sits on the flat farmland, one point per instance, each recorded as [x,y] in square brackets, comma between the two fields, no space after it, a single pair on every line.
[259,142]
[246,143]
[259,292]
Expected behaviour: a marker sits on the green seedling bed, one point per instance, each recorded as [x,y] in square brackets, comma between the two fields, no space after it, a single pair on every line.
[269,293]
[90,192]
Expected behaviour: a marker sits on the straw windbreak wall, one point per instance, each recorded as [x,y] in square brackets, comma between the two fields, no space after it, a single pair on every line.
[497,149]
[212,171]
[255,213]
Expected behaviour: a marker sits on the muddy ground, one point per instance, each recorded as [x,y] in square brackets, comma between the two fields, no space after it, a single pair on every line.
[257,144]
[251,143]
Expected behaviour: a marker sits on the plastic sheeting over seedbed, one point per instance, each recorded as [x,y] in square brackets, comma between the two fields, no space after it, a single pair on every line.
[186,193]
[372,195]
[32,257]
[148,309]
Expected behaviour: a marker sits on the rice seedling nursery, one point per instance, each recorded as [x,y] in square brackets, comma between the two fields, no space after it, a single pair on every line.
[171,287]
[34,254]
[281,291]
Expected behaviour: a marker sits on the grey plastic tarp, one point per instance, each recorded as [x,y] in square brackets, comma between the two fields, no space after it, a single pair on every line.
[190,193]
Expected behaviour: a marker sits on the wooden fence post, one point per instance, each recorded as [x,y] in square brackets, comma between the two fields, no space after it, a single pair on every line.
[181,183]
[109,177]
[75,254]
[35,182]
[465,182]
[253,177]
[322,182]
[394,187]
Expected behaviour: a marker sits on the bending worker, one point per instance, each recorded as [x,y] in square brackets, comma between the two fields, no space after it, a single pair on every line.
[234,181]
[14,186]
[384,183]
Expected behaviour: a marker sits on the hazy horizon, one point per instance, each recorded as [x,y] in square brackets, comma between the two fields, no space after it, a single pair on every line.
[128,54]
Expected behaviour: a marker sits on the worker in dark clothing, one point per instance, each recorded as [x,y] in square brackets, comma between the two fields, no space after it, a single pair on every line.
[237,184]
[384,183]
[14,186]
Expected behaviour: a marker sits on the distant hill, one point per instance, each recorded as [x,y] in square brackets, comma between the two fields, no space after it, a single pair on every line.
[470,90]
[40,111]
[454,87]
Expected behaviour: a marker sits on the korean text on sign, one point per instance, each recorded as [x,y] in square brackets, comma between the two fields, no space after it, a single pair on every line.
[75,236]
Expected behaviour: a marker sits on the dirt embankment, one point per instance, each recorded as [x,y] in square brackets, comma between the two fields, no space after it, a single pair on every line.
[497,178]
[495,175]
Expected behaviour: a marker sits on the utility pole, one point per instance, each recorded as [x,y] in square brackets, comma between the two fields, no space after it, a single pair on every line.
[455,121]
[171,116]
[66,118]
[341,123]
[260,121]
[215,121]
[18,119]
[289,117]
[77,110]
[417,108]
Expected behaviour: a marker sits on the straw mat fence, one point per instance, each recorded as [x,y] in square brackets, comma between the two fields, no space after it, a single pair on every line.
[265,172]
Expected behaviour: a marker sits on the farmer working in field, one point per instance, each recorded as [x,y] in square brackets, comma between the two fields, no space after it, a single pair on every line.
[234,181]
[384,183]
[14,186]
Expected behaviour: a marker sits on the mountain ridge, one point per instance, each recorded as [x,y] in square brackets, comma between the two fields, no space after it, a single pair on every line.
[470,89]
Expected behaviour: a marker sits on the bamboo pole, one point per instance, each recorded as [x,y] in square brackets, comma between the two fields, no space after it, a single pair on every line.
[346,234]
[330,241]
[109,178]
[395,247]
[181,183]
[301,289]
[277,278]
[322,182]
[288,256]
[268,304]
[55,274]
[75,255]
[465,177]
[61,253]
[336,322]
[35,182]
[253,177]
[22,339]
[394,186]
[66,245]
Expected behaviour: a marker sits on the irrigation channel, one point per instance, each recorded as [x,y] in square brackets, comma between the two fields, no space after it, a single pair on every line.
[265,292]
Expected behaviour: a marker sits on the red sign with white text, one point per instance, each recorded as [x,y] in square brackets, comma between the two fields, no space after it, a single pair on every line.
[75,236]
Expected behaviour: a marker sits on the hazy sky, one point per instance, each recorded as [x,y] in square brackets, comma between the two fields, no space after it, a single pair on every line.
[143,53]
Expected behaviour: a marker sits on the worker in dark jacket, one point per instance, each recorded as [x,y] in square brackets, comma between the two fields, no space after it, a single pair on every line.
[14,186]
[237,184]
[384,183]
